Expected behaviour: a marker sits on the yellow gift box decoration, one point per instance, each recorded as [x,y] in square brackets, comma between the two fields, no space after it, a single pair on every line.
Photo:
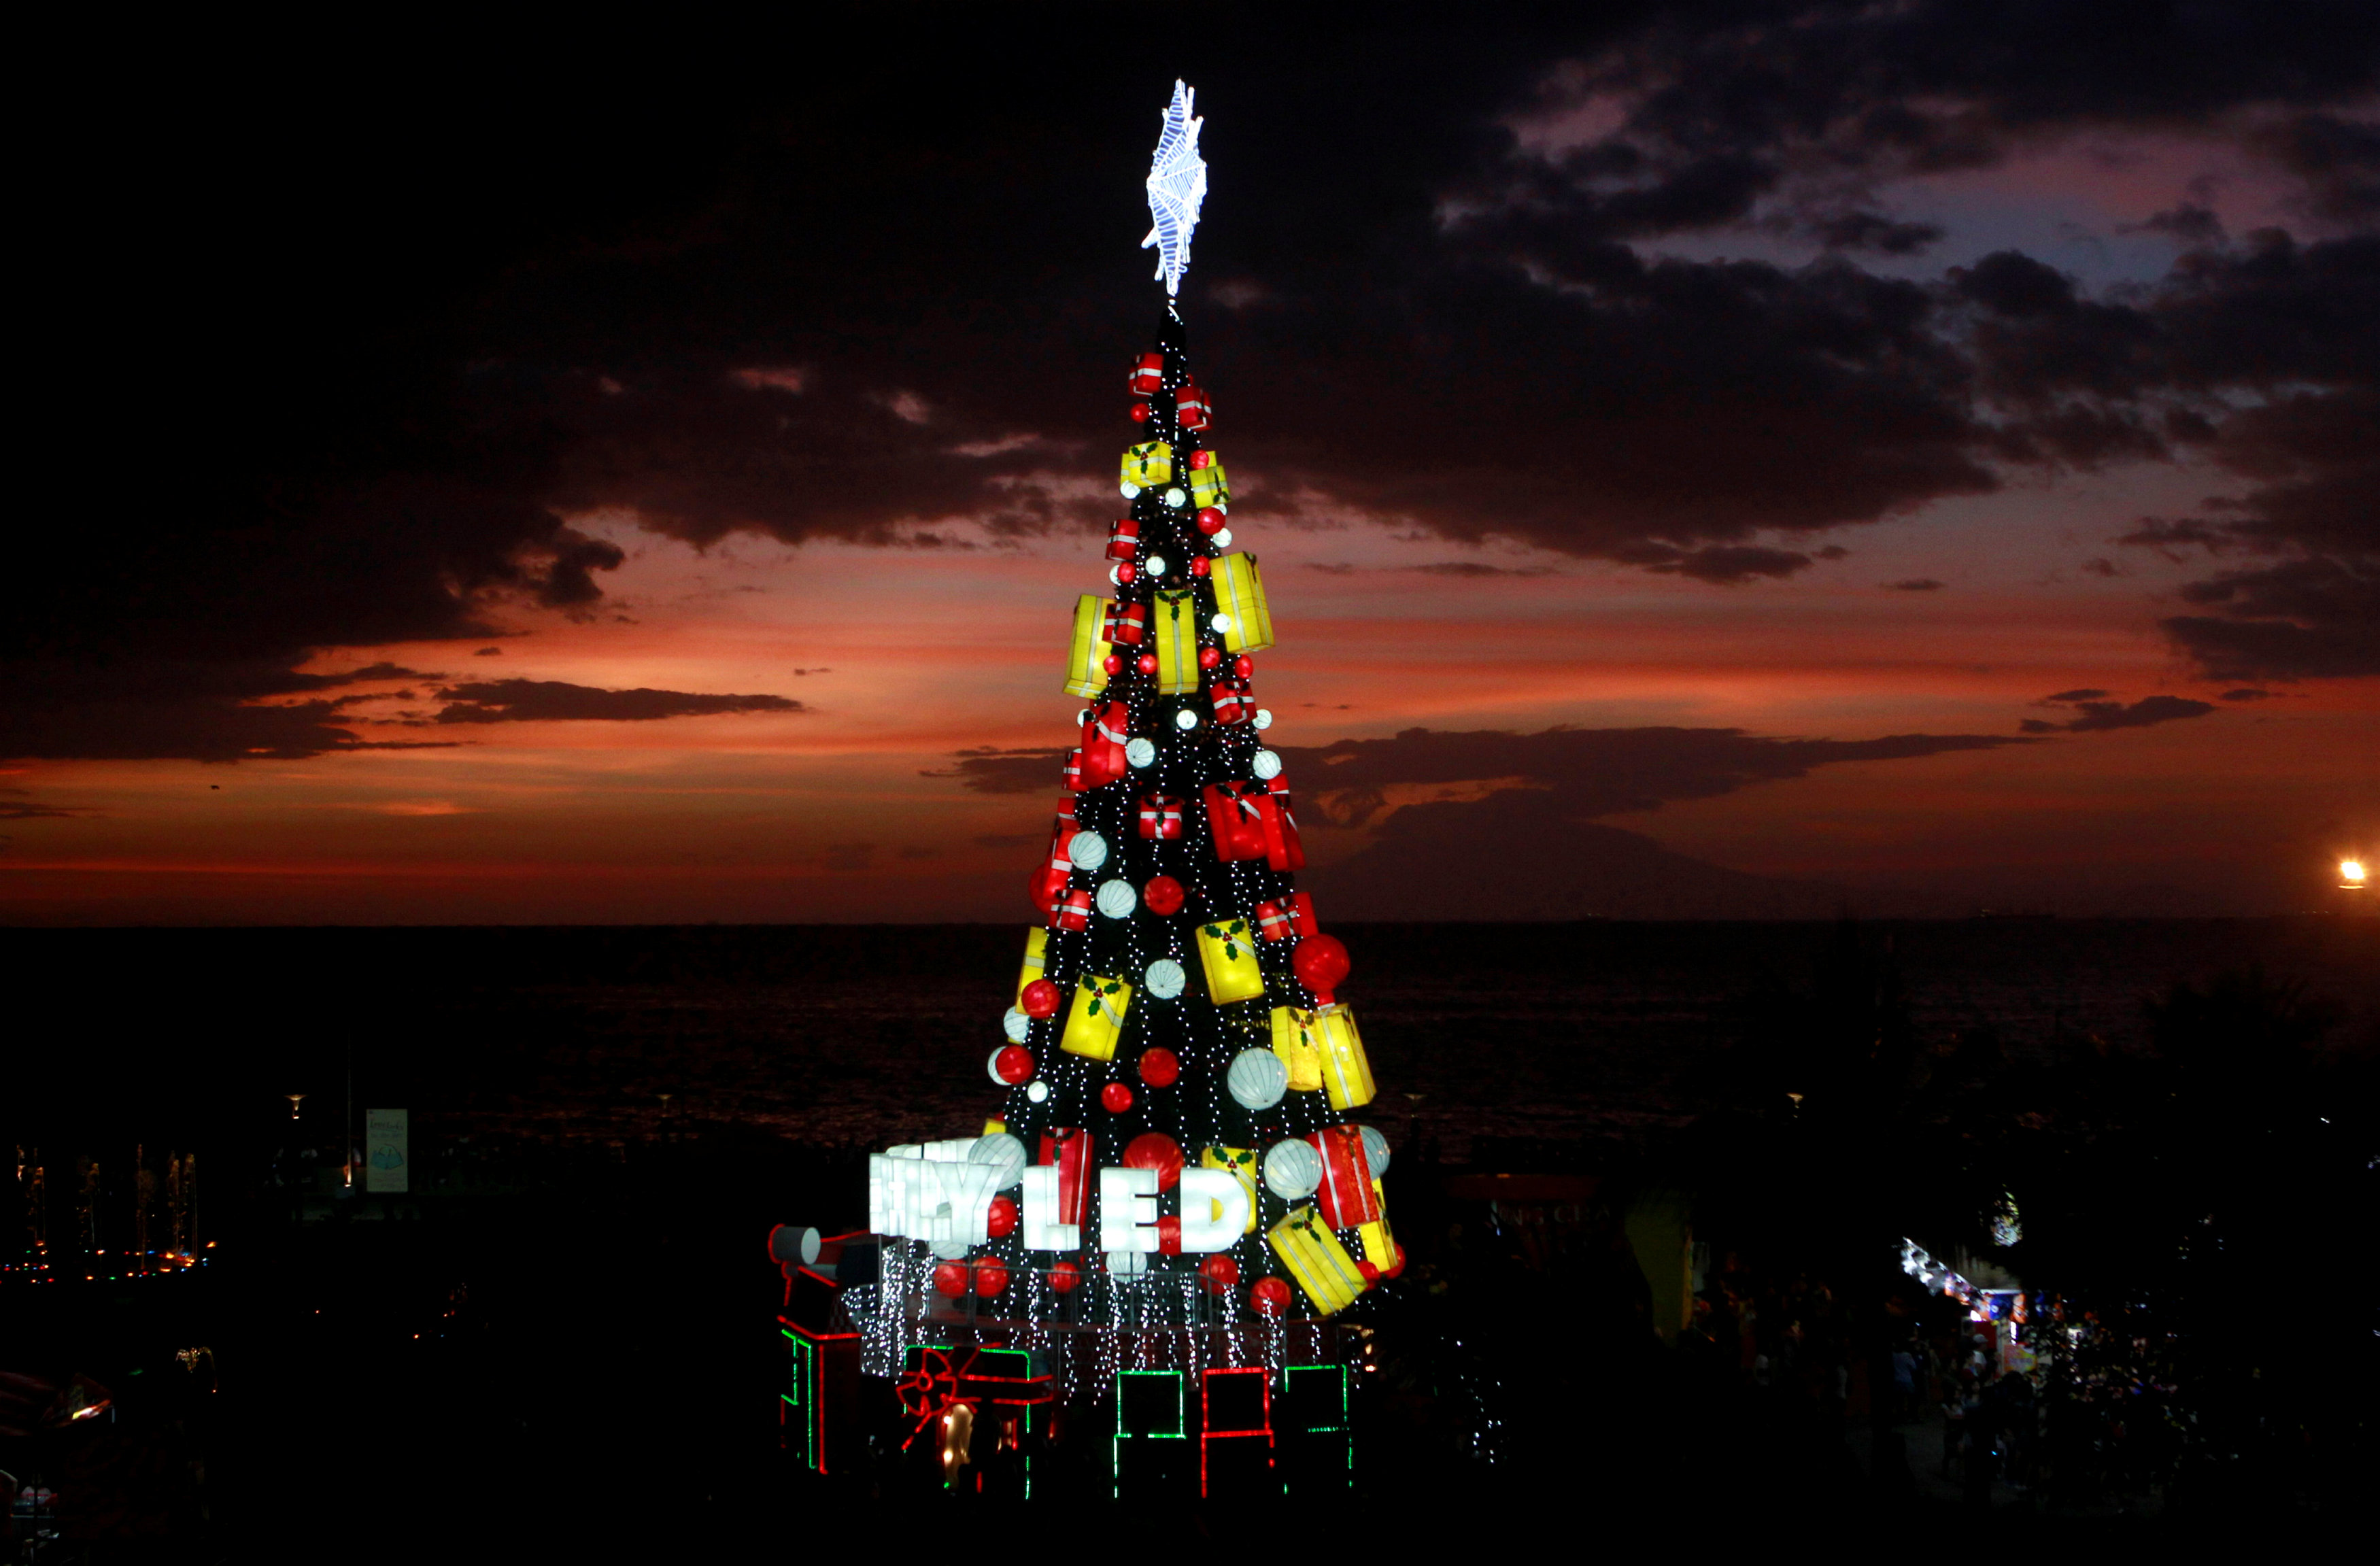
[1086,672]
[1208,485]
[1316,1260]
[1037,949]
[1095,1017]
[1242,1162]
[1298,1042]
[1147,463]
[1379,1246]
[1240,594]
[1173,636]
[1346,1072]
[1228,951]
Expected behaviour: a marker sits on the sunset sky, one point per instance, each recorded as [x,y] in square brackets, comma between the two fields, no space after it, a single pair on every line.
[1928,456]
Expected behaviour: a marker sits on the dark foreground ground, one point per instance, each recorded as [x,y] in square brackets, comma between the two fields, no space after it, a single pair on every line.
[564,1332]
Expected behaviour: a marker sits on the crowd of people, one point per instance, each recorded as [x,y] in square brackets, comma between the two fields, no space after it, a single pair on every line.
[2073,1409]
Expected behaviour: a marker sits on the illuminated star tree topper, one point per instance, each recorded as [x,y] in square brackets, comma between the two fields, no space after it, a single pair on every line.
[1177,185]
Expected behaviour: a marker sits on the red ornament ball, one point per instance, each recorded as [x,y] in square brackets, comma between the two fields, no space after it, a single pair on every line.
[1210,521]
[991,1276]
[1201,458]
[1064,1276]
[1371,1274]
[1113,663]
[950,1279]
[1199,566]
[1001,1218]
[1164,895]
[1399,1266]
[1155,1150]
[1116,1096]
[1271,1296]
[1146,663]
[1221,1271]
[1013,1064]
[1320,962]
[1140,413]
[1039,998]
[1244,665]
[1126,571]
[1210,656]
[1159,1067]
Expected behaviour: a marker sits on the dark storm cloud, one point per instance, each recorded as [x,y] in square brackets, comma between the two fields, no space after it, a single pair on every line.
[389,355]
[1598,772]
[2098,716]
[542,701]
[988,771]
[1475,569]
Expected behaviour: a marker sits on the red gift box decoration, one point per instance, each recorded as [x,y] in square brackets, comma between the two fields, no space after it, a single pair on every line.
[1102,753]
[1148,375]
[1126,623]
[1160,816]
[1235,813]
[1069,1148]
[1049,882]
[1123,537]
[1046,886]
[1233,703]
[1272,922]
[1345,1195]
[1299,908]
[1075,910]
[1284,850]
[1073,770]
[1190,409]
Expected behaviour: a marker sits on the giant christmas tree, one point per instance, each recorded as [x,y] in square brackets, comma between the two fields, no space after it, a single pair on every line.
[1175,1184]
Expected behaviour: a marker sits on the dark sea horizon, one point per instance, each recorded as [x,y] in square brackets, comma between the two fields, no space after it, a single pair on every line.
[851,1036]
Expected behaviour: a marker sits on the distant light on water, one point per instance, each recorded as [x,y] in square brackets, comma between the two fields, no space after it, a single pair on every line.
[2351,874]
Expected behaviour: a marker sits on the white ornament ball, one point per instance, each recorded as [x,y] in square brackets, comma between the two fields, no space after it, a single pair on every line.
[1131,491]
[1265,764]
[1222,538]
[1116,899]
[1257,1079]
[1082,717]
[950,1250]
[1221,622]
[1186,718]
[1126,1264]
[1036,1092]
[1376,1151]
[1087,850]
[1164,979]
[1292,1169]
[1264,717]
[1140,752]
[1157,565]
[1016,1025]
[1176,497]
[1003,1152]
